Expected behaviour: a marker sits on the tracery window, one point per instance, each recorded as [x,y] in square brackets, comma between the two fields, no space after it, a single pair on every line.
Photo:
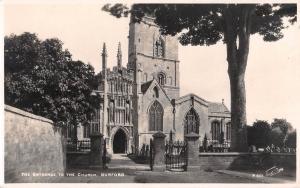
[191,122]
[156,114]
[216,130]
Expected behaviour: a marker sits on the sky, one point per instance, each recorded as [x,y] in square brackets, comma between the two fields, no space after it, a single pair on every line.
[272,75]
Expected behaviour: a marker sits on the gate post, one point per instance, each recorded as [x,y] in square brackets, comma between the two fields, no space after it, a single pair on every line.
[159,151]
[96,150]
[192,140]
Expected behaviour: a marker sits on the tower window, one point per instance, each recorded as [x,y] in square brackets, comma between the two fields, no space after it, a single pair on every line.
[161,78]
[159,48]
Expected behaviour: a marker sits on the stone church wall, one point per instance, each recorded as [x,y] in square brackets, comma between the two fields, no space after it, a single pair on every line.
[144,134]
[181,111]
[32,145]
[151,67]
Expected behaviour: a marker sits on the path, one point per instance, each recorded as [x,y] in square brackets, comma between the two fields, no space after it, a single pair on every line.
[121,161]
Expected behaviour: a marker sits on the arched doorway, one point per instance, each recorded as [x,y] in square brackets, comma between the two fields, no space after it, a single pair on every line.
[191,122]
[120,142]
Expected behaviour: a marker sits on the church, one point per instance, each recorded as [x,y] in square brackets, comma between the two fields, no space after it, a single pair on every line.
[143,97]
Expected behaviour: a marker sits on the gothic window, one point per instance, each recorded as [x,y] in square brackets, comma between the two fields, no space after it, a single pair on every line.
[191,122]
[216,130]
[159,48]
[156,114]
[161,78]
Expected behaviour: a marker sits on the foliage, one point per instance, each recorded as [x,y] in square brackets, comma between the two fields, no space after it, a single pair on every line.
[277,137]
[291,139]
[280,133]
[284,126]
[40,78]
[204,24]
[259,133]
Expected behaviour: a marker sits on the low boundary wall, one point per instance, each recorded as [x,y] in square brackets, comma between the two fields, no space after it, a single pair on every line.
[32,145]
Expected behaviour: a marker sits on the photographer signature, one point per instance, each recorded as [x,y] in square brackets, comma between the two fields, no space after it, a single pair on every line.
[270,172]
[273,171]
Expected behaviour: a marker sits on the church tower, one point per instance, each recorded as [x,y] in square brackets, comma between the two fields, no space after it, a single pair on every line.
[153,56]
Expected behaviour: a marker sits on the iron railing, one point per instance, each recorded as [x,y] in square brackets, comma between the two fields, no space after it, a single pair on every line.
[215,146]
[78,146]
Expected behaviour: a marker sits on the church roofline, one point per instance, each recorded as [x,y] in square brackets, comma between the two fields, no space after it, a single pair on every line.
[218,108]
[188,97]
[148,84]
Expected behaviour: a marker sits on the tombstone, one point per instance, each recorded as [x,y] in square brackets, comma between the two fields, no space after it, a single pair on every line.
[192,140]
[159,154]
[96,150]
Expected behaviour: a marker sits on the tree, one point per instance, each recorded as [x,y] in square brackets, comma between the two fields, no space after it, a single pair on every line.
[280,131]
[284,126]
[206,24]
[259,134]
[291,139]
[40,78]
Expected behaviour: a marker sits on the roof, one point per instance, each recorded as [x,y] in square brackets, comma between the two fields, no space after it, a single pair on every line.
[189,97]
[145,86]
[214,107]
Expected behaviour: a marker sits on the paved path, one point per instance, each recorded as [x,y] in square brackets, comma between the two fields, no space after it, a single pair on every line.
[121,161]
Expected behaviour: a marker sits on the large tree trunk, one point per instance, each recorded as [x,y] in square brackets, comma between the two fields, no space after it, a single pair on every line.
[237,38]
[238,112]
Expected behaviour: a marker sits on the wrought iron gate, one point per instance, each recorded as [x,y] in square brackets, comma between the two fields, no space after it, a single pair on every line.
[176,156]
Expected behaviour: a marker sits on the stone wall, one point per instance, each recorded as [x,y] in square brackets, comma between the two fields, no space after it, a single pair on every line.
[183,106]
[147,100]
[236,160]
[32,145]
